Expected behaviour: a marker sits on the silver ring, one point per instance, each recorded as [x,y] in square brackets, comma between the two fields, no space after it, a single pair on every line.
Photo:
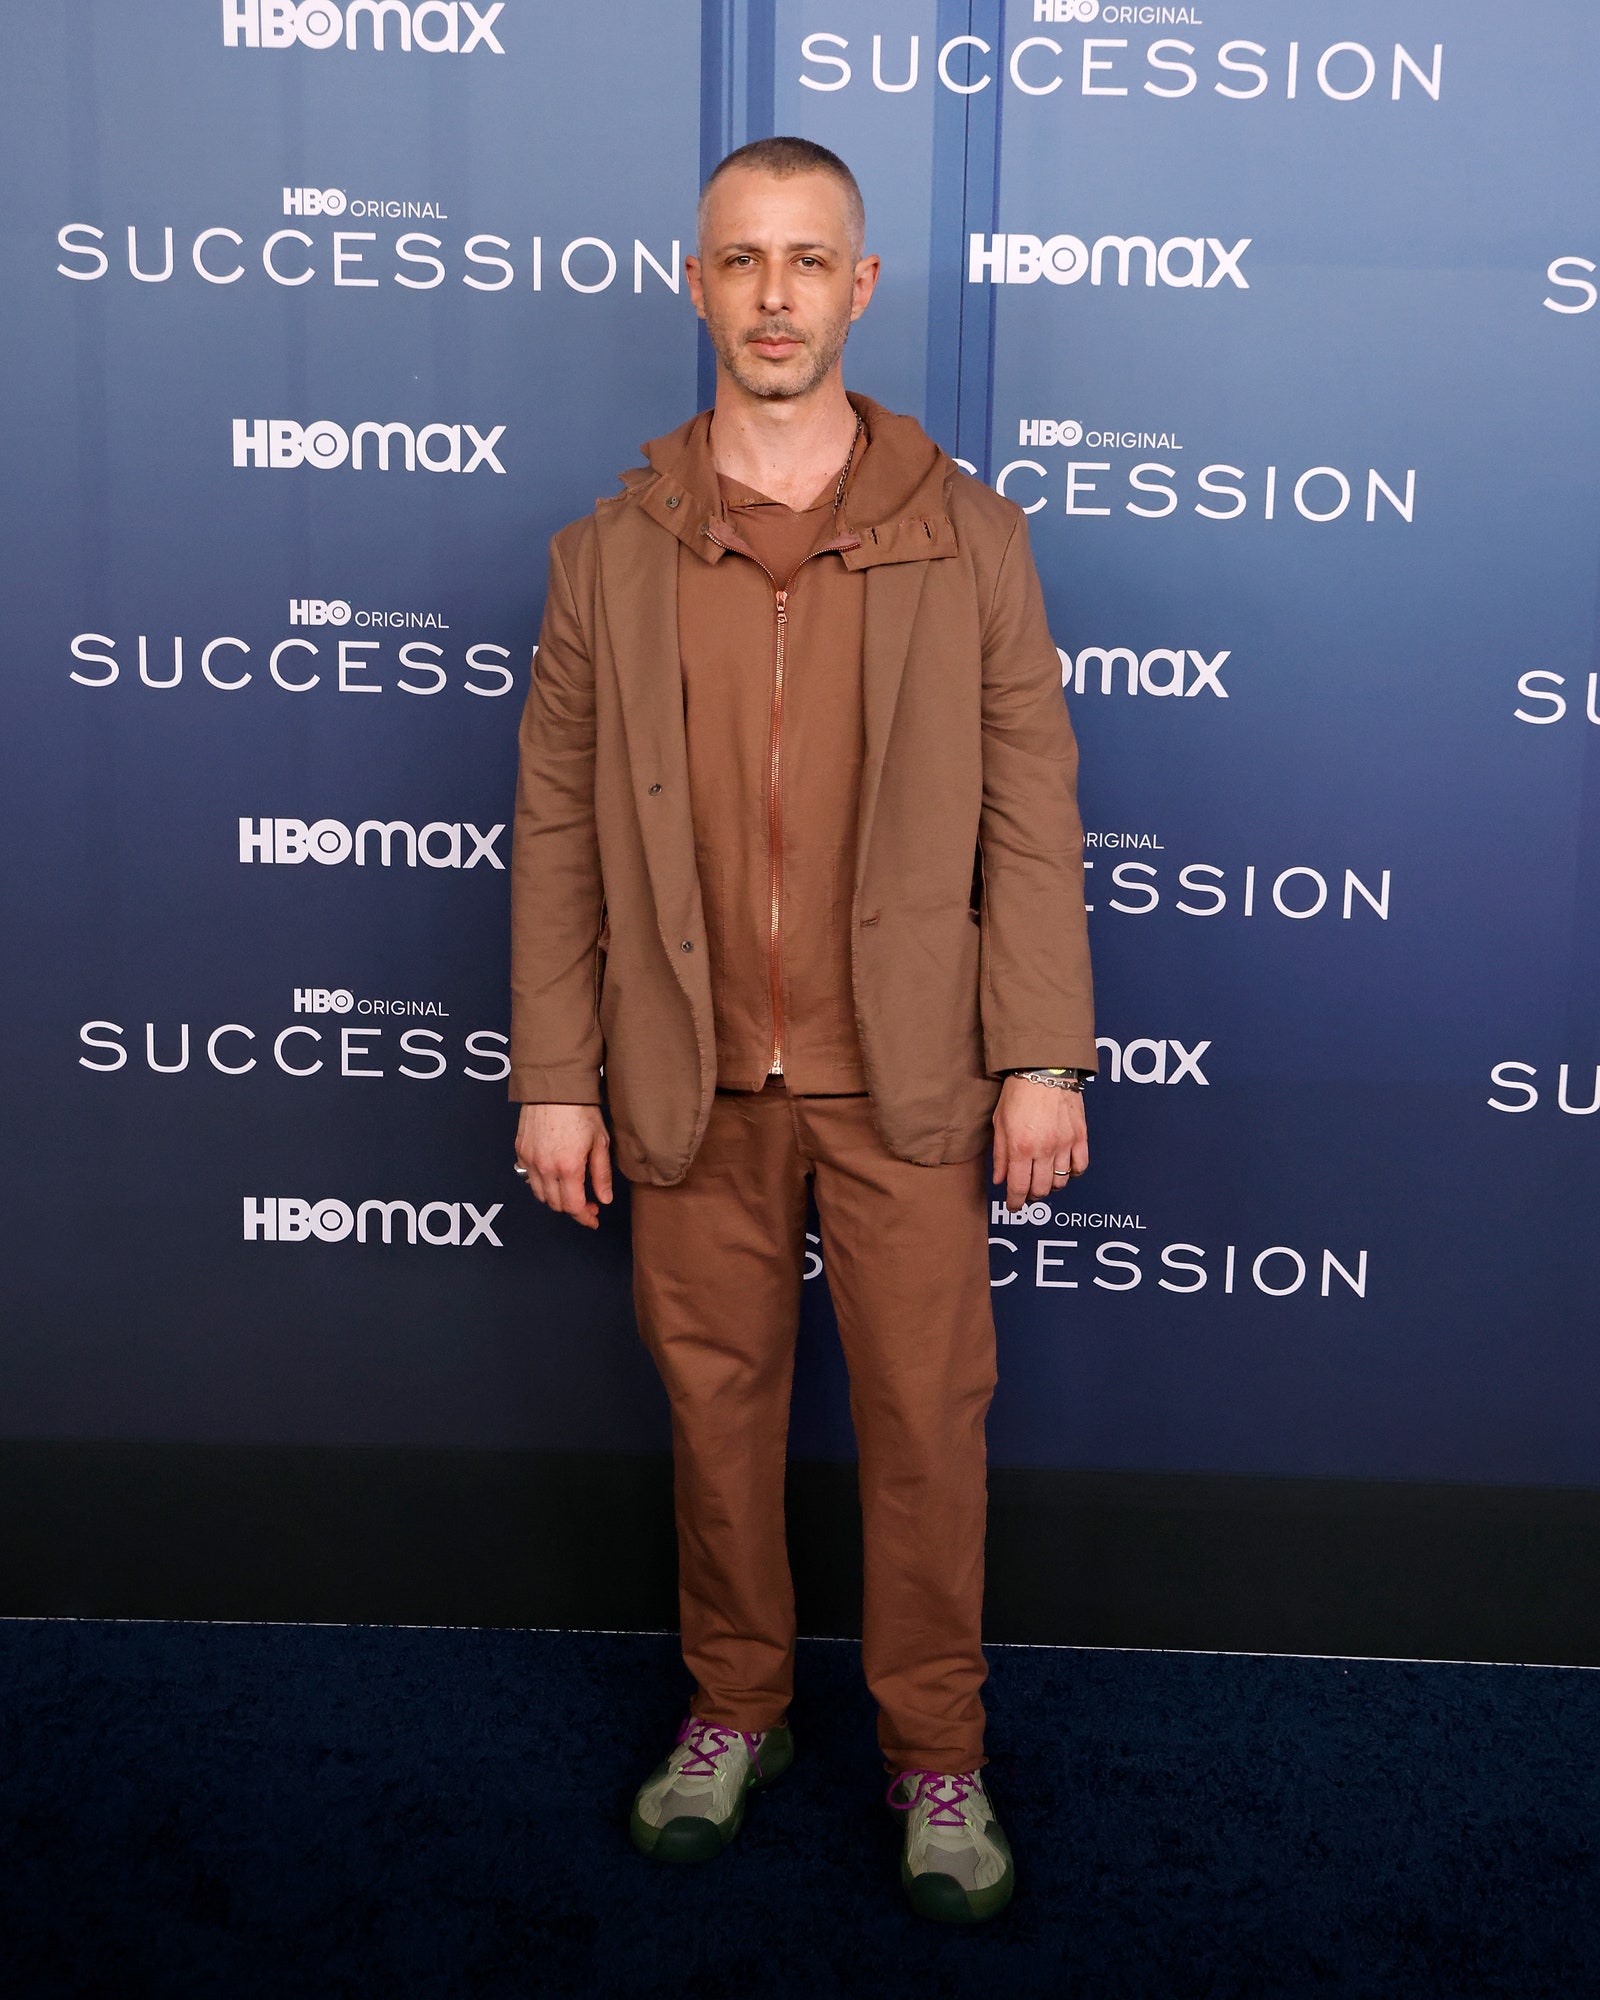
[1062,1174]
[520,1171]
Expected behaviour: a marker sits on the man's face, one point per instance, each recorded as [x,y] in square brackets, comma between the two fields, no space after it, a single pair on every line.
[776,281]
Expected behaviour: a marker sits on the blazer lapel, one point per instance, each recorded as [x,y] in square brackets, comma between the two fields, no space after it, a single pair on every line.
[894,592]
[638,608]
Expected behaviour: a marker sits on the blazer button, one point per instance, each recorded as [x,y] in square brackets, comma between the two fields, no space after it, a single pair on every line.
[686,946]
[672,499]
[654,789]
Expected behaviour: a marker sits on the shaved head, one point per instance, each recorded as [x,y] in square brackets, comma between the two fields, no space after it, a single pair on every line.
[782,158]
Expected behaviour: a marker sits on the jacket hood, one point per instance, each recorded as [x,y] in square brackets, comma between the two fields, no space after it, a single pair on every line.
[894,508]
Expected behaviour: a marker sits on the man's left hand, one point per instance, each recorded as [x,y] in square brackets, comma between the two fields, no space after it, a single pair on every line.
[1041,1139]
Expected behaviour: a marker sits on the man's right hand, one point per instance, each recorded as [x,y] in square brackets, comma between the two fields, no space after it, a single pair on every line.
[558,1143]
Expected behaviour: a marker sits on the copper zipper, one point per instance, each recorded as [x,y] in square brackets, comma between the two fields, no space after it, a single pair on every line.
[775,835]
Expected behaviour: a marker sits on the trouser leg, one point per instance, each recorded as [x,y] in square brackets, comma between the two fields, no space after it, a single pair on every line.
[717,1270]
[906,1252]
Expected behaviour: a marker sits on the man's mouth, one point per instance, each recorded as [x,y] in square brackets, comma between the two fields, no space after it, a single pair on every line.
[774,346]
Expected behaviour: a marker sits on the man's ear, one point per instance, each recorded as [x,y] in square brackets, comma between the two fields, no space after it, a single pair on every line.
[864,283]
[697,293]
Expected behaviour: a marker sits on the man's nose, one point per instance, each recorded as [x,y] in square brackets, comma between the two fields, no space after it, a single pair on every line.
[775,290]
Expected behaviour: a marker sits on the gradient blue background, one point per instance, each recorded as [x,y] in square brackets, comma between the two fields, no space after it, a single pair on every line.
[1394,319]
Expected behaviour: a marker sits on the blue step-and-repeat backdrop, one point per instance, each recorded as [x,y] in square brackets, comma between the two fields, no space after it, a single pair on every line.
[1278,317]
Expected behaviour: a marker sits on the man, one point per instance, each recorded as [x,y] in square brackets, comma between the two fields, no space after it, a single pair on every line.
[797,860]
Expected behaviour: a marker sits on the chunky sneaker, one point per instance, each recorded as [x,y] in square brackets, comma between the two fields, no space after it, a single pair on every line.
[956,1866]
[691,1806]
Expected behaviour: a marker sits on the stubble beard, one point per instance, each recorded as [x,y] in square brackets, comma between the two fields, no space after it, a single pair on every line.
[819,355]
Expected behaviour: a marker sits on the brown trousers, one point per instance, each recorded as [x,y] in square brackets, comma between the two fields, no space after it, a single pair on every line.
[717,1276]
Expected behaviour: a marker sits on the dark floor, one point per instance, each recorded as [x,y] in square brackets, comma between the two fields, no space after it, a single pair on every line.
[325,1811]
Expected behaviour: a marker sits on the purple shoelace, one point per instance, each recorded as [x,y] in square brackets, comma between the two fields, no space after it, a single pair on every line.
[944,1812]
[707,1743]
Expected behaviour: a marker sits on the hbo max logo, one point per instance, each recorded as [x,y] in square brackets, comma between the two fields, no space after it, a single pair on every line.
[288,842]
[287,1219]
[437,27]
[1200,262]
[281,444]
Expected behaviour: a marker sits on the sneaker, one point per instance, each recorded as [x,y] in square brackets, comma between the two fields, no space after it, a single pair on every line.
[956,1866]
[692,1805]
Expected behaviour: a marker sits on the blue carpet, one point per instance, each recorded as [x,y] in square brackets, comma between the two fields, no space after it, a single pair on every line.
[329,1811]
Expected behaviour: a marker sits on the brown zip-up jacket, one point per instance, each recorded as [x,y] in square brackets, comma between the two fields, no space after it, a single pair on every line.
[769,636]
[968,948]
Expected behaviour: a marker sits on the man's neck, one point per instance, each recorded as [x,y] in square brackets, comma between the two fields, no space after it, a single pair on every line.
[788,450]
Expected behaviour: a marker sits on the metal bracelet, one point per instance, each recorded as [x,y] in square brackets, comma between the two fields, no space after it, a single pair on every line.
[1054,1079]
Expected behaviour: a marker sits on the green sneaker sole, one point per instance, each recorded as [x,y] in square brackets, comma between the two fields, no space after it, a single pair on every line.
[694,1838]
[942,1899]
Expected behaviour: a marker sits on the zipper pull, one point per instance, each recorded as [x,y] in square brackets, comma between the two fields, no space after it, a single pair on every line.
[781,598]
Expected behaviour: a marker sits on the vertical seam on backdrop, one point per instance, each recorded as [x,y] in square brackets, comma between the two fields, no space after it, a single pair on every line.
[711,150]
[991,292]
[961,345]
[720,23]
[710,82]
[730,36]
[945,330]
[761,68]
[966,189]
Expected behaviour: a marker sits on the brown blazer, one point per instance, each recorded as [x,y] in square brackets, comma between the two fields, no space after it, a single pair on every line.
[969,947]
